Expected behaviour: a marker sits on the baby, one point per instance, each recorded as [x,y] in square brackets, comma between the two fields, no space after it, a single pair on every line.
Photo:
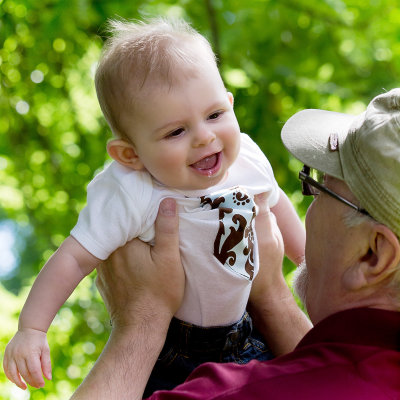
[176,136]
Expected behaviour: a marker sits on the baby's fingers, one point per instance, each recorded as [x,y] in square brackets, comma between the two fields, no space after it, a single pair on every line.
[32,372]
[22,358]
[46,363]
[11,371]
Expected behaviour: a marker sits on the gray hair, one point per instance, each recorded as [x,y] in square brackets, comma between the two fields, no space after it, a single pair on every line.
[160,51]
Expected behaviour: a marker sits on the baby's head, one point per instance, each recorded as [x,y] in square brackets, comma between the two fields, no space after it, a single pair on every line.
[140,56]
[160,90]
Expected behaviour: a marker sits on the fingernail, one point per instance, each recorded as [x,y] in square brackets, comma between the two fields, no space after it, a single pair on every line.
[168,207]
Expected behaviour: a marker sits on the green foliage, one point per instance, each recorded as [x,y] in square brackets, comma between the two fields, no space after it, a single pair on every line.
[277,57]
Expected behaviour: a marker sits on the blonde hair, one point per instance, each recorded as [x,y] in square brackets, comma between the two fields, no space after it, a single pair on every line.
[139,54]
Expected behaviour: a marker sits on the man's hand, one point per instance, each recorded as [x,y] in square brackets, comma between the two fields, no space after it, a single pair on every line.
[142,287]
[138,280]
[270,249]
[271,304]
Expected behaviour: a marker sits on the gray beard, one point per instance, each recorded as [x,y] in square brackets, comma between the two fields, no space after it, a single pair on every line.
[300,281]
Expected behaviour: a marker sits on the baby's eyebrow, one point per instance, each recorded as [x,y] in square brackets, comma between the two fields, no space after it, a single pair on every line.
[168,126]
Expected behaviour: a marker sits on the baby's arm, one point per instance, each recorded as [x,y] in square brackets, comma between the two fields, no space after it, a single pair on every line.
[27,354]
[291,227]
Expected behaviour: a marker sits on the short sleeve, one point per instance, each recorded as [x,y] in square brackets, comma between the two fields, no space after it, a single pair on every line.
[252,152]
[116,200]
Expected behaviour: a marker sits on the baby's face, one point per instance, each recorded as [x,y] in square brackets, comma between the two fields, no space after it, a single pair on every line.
[187,136]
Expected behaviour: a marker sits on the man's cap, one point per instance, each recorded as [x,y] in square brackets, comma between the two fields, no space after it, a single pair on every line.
[362,150]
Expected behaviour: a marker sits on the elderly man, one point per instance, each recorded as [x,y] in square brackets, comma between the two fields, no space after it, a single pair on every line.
[350,285]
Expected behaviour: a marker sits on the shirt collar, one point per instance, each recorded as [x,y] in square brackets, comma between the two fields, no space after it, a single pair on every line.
[360,326]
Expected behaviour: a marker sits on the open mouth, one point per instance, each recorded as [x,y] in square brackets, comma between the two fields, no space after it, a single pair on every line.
[208,165]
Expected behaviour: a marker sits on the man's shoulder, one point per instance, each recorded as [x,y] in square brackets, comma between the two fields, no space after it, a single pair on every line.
[324,371]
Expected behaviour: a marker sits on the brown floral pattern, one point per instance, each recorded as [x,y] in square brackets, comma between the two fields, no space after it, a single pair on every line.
[234,243]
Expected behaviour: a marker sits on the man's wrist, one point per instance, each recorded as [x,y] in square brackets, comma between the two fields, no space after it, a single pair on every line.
[128,357]
[278,317]
[145,315]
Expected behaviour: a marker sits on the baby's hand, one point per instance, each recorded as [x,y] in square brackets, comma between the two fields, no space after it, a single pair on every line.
[26,356]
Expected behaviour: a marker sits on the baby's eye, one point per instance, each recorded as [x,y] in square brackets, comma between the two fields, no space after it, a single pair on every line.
[175,133]
[215,115]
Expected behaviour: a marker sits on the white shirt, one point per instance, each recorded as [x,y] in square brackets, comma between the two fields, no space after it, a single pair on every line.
[216,229]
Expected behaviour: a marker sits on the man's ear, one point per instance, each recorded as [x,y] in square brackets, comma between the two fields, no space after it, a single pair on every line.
[377,262]
[124,153]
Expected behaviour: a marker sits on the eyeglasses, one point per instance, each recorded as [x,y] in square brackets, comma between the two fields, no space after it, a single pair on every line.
[311,183]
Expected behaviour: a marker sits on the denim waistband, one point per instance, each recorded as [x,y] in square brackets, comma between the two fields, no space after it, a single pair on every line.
[191,339]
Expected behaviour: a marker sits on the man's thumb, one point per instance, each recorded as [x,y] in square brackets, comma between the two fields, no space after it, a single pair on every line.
[166,226]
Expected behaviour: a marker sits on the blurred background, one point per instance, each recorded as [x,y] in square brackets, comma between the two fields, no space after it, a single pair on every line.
[276,56]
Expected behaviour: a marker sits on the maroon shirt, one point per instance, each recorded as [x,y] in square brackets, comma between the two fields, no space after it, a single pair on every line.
[354,354]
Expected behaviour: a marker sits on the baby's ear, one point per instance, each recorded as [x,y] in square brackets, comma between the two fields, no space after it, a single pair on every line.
[124,153]
[230,97]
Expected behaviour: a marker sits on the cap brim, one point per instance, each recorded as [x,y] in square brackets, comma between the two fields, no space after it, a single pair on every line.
[307,134]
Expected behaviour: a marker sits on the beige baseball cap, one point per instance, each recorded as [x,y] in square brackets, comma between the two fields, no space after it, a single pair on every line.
[363,150]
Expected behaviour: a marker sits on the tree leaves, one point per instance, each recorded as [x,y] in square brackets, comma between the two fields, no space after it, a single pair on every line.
[276,57]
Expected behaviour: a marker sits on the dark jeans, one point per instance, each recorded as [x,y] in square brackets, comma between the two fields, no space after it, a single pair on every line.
[187,346]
